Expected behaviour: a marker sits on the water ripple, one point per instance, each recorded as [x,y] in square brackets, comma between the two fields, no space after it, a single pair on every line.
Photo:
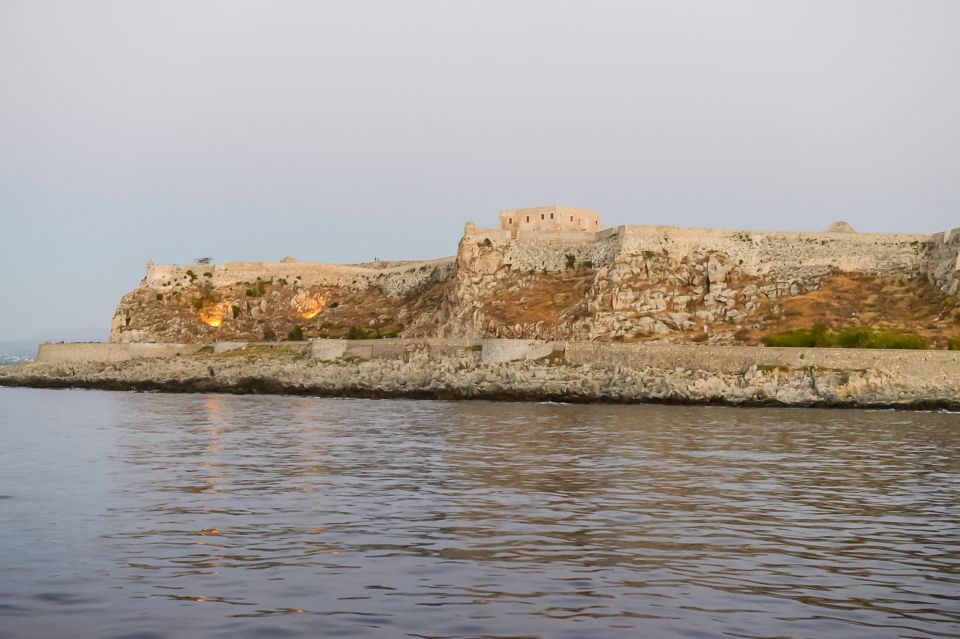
[133,515]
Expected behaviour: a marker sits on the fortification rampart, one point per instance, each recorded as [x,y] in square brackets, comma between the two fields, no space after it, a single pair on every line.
[789,255]
[770,255]
[395,281]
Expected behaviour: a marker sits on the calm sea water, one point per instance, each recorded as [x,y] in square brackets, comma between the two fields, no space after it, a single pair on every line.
[139,515]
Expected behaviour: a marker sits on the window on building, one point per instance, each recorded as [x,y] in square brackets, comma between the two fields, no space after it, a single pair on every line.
[528,219]
[571,218]
[551,216]
[510,220]
[542,217]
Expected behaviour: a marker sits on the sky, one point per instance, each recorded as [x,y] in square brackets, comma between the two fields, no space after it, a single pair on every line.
[243,130]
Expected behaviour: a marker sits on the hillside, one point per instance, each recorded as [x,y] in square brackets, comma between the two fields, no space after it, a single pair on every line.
[631,284]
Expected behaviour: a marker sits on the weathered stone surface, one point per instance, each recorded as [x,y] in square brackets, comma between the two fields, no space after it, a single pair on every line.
[572,371]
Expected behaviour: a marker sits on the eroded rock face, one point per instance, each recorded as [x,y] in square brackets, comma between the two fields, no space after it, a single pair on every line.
[701,295]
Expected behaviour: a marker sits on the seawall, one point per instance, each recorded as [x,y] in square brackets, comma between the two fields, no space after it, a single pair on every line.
[511,370]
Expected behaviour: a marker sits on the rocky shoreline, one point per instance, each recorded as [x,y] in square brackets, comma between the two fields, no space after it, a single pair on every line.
[420,374]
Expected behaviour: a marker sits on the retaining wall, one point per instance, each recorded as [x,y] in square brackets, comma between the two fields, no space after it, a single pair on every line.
[111,352]
[930,366]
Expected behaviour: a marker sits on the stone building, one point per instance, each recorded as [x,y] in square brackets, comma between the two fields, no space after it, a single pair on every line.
[549,218]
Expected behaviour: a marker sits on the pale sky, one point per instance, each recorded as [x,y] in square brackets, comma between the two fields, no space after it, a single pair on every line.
[342,131]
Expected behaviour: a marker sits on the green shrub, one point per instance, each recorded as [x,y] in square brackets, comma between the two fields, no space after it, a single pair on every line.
[587,264]
[571,261]
[854,338]
[821,337]
[648,255]
[236,311]
[953,344]
[159,297]
[295,335]
[791,339]
[198,303]
[356,332]
[892,339]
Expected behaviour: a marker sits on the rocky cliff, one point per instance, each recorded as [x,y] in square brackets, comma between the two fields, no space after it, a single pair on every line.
[625,284]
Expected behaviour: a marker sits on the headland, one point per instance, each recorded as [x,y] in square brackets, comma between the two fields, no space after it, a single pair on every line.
[631,313]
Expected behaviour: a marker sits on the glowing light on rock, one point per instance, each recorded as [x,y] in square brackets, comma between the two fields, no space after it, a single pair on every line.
[308,305]
[213,316]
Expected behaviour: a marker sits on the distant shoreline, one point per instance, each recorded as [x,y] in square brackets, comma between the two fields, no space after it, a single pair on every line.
[510,370]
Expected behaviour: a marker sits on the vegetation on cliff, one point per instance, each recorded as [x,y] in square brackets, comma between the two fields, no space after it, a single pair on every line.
[820,336]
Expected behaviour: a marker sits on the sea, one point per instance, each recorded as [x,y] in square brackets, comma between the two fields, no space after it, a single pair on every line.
[17,352]
[136,515]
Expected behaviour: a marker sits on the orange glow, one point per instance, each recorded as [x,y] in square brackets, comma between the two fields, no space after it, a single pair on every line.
[308,305]
[213,316]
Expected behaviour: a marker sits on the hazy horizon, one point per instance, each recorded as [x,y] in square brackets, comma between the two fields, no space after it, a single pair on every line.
[249,131]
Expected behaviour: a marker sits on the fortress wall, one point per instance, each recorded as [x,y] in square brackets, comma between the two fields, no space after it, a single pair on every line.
[944,263]
[394,280]
[789,256]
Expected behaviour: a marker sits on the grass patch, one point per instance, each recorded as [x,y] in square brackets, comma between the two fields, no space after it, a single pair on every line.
[953,344]
[820,336]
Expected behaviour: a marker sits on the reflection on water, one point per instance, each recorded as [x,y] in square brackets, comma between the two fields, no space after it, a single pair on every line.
[132,515]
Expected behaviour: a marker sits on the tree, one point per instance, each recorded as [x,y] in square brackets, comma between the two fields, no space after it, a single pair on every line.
[203,260]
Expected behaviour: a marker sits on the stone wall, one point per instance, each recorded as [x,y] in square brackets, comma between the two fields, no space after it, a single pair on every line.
[937,367]
[930,366]
[784,255]
[760,254]
[393,280]
[109,353]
